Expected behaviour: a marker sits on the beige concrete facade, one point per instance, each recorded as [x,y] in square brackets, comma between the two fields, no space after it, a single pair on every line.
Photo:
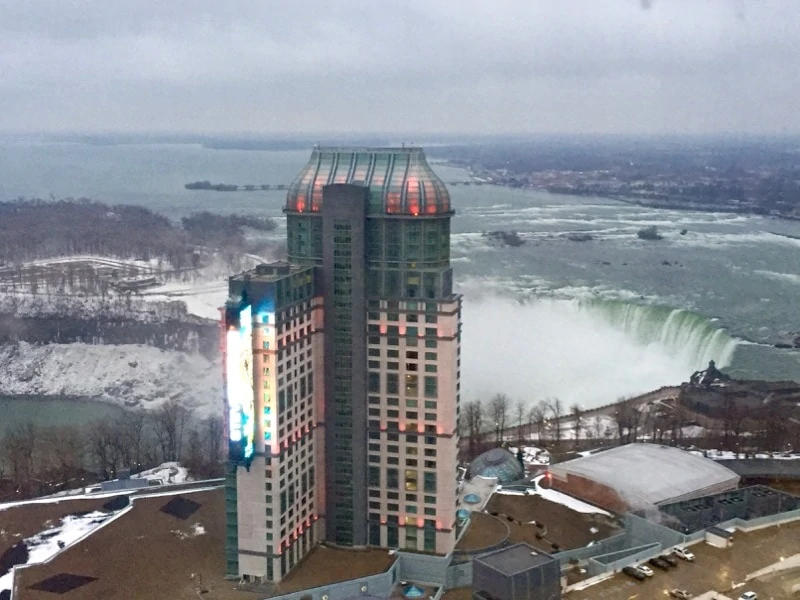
[279,495]
[414,362]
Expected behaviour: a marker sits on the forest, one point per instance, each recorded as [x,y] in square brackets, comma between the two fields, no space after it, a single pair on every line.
[34,229]
[36,460]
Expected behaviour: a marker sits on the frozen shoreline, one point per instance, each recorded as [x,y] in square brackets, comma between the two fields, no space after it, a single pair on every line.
[129,376]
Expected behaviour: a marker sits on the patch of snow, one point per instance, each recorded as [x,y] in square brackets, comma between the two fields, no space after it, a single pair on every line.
[128,375]
[532,456]
[168,472]
[565,500]
[198,529]
[48,543]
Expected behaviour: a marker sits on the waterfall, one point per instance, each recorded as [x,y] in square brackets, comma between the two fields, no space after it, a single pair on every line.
[589,352]
[692,339]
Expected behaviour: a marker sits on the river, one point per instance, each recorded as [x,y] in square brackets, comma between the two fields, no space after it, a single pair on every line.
[586,321]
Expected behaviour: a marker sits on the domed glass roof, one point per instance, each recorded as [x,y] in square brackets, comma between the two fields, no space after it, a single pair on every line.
[497,462]
[399,179]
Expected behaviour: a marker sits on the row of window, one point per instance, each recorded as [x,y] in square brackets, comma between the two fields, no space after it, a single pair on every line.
[411,342]
[389,383]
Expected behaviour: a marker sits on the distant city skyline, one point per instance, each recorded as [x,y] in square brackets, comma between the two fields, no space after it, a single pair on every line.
[445,67]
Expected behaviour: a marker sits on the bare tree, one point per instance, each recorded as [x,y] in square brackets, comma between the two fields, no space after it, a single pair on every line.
[19,447]
[498,413]
[169,427]
[66,455]
[627,416]
[556,410]
[473,413]
[539,416]
[577,418]
[519,421]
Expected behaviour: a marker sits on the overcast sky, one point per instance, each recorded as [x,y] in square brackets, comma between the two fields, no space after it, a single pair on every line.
[488,66]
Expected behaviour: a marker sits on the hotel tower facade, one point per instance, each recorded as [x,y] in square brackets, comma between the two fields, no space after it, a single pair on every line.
[342,369]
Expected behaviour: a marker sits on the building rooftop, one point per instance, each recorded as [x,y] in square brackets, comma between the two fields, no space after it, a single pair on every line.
[515,559]
[400,180]
[268,272]
[529,515]
[325,566]
[147,551]
[648,474]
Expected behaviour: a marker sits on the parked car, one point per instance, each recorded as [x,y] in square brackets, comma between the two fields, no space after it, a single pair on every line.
[749,596]
[680,594]
[635,573]
[669,559]
[645,569]
[683,553]
[659,563]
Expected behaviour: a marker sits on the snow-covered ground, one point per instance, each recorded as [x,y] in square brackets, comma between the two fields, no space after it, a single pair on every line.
[201,299]
[128,375]
[556,497]
[729,455]
[46,544]
[532,456]
[168,472]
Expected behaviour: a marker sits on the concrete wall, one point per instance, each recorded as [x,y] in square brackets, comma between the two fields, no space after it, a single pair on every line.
[587,490]
[764,468]
[618,560]
[376,585]
[612,544]
[424,568]
[459,575]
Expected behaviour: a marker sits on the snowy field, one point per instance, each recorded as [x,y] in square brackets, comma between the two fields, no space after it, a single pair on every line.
[127,375]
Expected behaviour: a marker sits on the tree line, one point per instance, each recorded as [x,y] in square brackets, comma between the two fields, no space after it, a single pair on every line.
[35,228]
[39,460]
[774,428]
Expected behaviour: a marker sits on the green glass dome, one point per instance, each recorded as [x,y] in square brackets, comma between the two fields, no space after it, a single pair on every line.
[400,180]
[497,462]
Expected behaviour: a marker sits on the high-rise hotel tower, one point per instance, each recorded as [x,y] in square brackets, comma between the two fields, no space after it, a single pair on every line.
[342,369]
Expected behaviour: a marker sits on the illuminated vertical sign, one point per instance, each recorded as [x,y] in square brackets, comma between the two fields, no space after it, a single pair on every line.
[239,371]
[246,378]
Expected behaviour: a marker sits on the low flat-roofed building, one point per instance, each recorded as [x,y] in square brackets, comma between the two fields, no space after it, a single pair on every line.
[519,572]
[640,476]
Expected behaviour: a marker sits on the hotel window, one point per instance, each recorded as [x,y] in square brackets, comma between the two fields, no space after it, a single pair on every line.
[430,405]
[412,354]
[431,344]
[411,366]
[392,366]
[411,480]
[411,521]
[374,476]
[431,386]
[431,318]
[392,383]
[430,482]
[374,382]
[430,368]
[430,356]
[375,352]
[430,416]
[412,331]
[393,507]
[430,512]
[431,331]
[412,318]
[392,479]
[412,385]
[411,509]
[430,464]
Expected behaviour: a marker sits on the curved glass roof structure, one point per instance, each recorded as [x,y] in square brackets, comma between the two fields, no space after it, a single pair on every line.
[400,180]
[497,462]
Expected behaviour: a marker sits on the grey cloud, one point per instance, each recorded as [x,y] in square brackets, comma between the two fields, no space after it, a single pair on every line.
[449,65]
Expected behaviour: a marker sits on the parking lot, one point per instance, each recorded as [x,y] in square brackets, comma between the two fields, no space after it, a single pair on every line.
[722,570]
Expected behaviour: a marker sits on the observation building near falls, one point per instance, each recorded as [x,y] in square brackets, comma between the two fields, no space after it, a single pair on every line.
[342,370]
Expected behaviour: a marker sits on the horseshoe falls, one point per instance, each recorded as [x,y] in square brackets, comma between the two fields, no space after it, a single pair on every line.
[589,352]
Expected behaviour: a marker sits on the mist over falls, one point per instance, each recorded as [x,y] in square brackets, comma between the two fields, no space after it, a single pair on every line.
[589,352]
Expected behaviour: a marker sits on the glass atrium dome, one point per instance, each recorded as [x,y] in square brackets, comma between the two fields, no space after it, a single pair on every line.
[400,180]
[497,462]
